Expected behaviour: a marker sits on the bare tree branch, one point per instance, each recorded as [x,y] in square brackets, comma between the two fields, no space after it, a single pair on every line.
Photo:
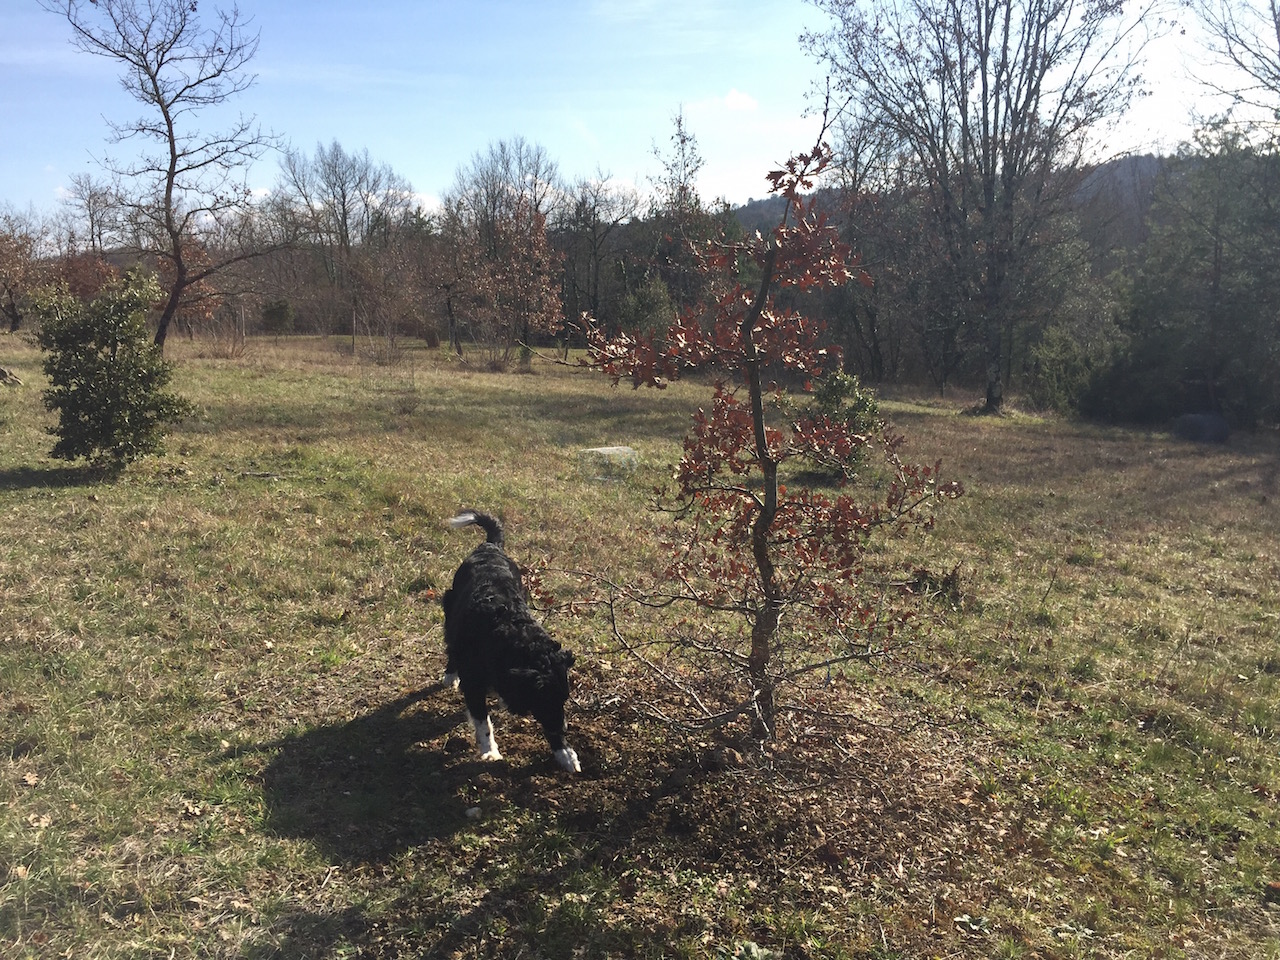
[1244,35]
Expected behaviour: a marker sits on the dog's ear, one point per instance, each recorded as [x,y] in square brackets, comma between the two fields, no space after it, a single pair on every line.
[535,678]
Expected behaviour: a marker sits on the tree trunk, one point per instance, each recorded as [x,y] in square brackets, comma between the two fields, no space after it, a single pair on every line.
[10,310]
[993,332]
[764,632]
[995,379]
[170,311]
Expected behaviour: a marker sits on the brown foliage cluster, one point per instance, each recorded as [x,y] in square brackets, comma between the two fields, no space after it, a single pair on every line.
[24,270]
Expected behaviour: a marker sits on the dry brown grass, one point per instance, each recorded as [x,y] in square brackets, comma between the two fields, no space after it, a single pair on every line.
[221,739]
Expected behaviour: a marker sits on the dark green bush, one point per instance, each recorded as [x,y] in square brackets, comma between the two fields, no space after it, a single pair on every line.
[1144,384]
[107,379]
[278,317]
[841,398]
[1199,317]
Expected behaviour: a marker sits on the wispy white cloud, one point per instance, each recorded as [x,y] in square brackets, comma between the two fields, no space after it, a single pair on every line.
[429,202]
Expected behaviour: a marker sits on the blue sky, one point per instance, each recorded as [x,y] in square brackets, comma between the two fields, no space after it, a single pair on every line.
[425,85]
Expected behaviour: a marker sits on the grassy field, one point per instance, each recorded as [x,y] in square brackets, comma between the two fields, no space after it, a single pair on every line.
[221,736]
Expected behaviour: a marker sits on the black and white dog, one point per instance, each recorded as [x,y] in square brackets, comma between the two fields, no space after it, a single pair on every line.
[492,643]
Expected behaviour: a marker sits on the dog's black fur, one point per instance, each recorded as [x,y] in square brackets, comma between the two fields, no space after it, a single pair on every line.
[493,644]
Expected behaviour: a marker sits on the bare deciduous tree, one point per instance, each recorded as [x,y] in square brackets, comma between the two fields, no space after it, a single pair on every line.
[461,280]
[992,102]
[498,210]
[594,210]
[1245,36]
[92,221]
[357,218]
[182,179]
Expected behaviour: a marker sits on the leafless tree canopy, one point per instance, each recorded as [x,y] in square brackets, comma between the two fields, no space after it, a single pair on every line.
[183,179]
[1245,36]
[358,222]
[509,174]
[594,210]
[985,104]
[503,277]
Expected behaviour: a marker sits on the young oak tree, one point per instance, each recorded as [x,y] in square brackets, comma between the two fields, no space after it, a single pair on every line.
[782,564]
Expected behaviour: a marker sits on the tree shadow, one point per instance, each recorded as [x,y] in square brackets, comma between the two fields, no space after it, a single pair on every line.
[32,478]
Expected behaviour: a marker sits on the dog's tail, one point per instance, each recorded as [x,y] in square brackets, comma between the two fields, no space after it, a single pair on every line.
[490,525]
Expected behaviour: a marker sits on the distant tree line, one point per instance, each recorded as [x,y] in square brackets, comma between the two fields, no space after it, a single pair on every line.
[1198,321]
[1136,289]
[512,258]
[1163,298]
[1002,258]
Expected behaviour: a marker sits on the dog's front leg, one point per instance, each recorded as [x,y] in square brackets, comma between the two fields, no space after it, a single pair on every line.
[478,711]
[567,759]
[485,743]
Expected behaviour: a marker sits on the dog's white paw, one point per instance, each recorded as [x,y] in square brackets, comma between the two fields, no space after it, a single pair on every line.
[485,742]
[450,681]
[568,760]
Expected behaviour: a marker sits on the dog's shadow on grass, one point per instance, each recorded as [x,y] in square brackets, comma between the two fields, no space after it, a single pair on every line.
[403,775]
[369,788]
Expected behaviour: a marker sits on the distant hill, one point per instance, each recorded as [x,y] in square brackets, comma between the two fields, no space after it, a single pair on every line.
[1112,203]
[764,214]
[760,215]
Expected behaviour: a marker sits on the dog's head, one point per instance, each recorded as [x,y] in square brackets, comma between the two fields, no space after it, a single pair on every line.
[540,682]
